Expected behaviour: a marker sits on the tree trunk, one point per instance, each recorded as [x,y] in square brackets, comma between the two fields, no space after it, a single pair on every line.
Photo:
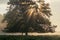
[26,33]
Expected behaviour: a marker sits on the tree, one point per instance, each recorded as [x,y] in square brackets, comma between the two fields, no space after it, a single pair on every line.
[28,16]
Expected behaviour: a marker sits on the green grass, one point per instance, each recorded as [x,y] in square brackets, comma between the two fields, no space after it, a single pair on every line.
[29,37]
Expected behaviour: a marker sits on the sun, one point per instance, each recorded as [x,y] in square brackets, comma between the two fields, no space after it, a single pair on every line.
[47,1]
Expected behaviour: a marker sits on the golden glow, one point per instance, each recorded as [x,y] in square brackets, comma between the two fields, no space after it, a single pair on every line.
[30,12]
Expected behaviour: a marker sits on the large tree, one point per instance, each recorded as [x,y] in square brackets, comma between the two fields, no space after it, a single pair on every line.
[28,16]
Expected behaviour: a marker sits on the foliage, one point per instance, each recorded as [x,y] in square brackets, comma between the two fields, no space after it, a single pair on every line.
[27,16]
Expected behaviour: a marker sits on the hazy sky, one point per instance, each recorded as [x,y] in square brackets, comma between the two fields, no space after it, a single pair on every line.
[55,10]
[3,6]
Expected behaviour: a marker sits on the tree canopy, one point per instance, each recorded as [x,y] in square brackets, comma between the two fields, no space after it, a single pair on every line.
[28,16]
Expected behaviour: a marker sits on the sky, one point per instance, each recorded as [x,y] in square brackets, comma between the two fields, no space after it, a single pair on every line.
[3,6]
[55,10]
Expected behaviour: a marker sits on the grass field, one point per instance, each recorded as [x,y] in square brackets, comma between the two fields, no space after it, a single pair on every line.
[7,37]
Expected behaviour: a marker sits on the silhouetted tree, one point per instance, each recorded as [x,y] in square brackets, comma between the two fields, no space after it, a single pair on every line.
[28,16]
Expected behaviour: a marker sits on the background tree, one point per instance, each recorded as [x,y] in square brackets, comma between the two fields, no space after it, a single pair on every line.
[28,16]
